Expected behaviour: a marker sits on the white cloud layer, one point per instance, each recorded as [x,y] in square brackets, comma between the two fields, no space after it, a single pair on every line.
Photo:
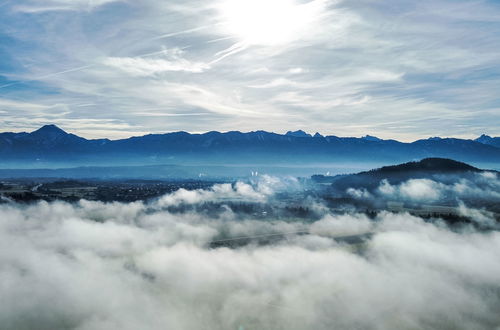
[105,266]
[93,266]
[467,195]
[485,186]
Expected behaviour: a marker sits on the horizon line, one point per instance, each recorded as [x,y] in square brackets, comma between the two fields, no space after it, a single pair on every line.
[309,135]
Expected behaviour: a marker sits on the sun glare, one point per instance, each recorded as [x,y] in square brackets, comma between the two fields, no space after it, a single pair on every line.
[267,22]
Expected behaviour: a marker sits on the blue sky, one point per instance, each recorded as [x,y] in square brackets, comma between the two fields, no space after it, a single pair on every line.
[115,68]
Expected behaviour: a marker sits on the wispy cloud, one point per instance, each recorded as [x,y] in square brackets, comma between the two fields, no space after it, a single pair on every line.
[37,6]
[148,67]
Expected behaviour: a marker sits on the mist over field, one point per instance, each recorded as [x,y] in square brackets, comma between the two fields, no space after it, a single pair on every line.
[153,265]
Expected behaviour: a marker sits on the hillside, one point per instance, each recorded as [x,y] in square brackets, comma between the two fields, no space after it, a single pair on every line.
[429,168]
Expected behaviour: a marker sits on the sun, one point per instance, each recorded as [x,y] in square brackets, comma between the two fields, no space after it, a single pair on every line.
[268,22]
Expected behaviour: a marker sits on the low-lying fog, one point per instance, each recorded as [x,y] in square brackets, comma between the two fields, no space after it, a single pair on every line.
[92,266]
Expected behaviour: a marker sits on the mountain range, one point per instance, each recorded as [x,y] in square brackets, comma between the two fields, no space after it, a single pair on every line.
[51,146]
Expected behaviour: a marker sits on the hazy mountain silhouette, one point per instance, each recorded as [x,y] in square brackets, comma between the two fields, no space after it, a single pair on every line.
[299,133]
[51,144]
[486,139]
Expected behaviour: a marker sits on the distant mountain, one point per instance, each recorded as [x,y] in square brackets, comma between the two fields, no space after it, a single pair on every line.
[371,138]
[492,141]
[429,168]
[51,146]
[299,133]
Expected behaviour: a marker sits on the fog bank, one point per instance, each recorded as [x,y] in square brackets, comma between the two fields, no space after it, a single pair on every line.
[91,265]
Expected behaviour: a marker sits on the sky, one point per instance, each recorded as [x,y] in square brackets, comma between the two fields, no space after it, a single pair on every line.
[116,68]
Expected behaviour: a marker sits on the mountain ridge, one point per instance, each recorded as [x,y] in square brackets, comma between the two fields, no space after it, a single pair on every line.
[51,144]
[486,139]
[52,128]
